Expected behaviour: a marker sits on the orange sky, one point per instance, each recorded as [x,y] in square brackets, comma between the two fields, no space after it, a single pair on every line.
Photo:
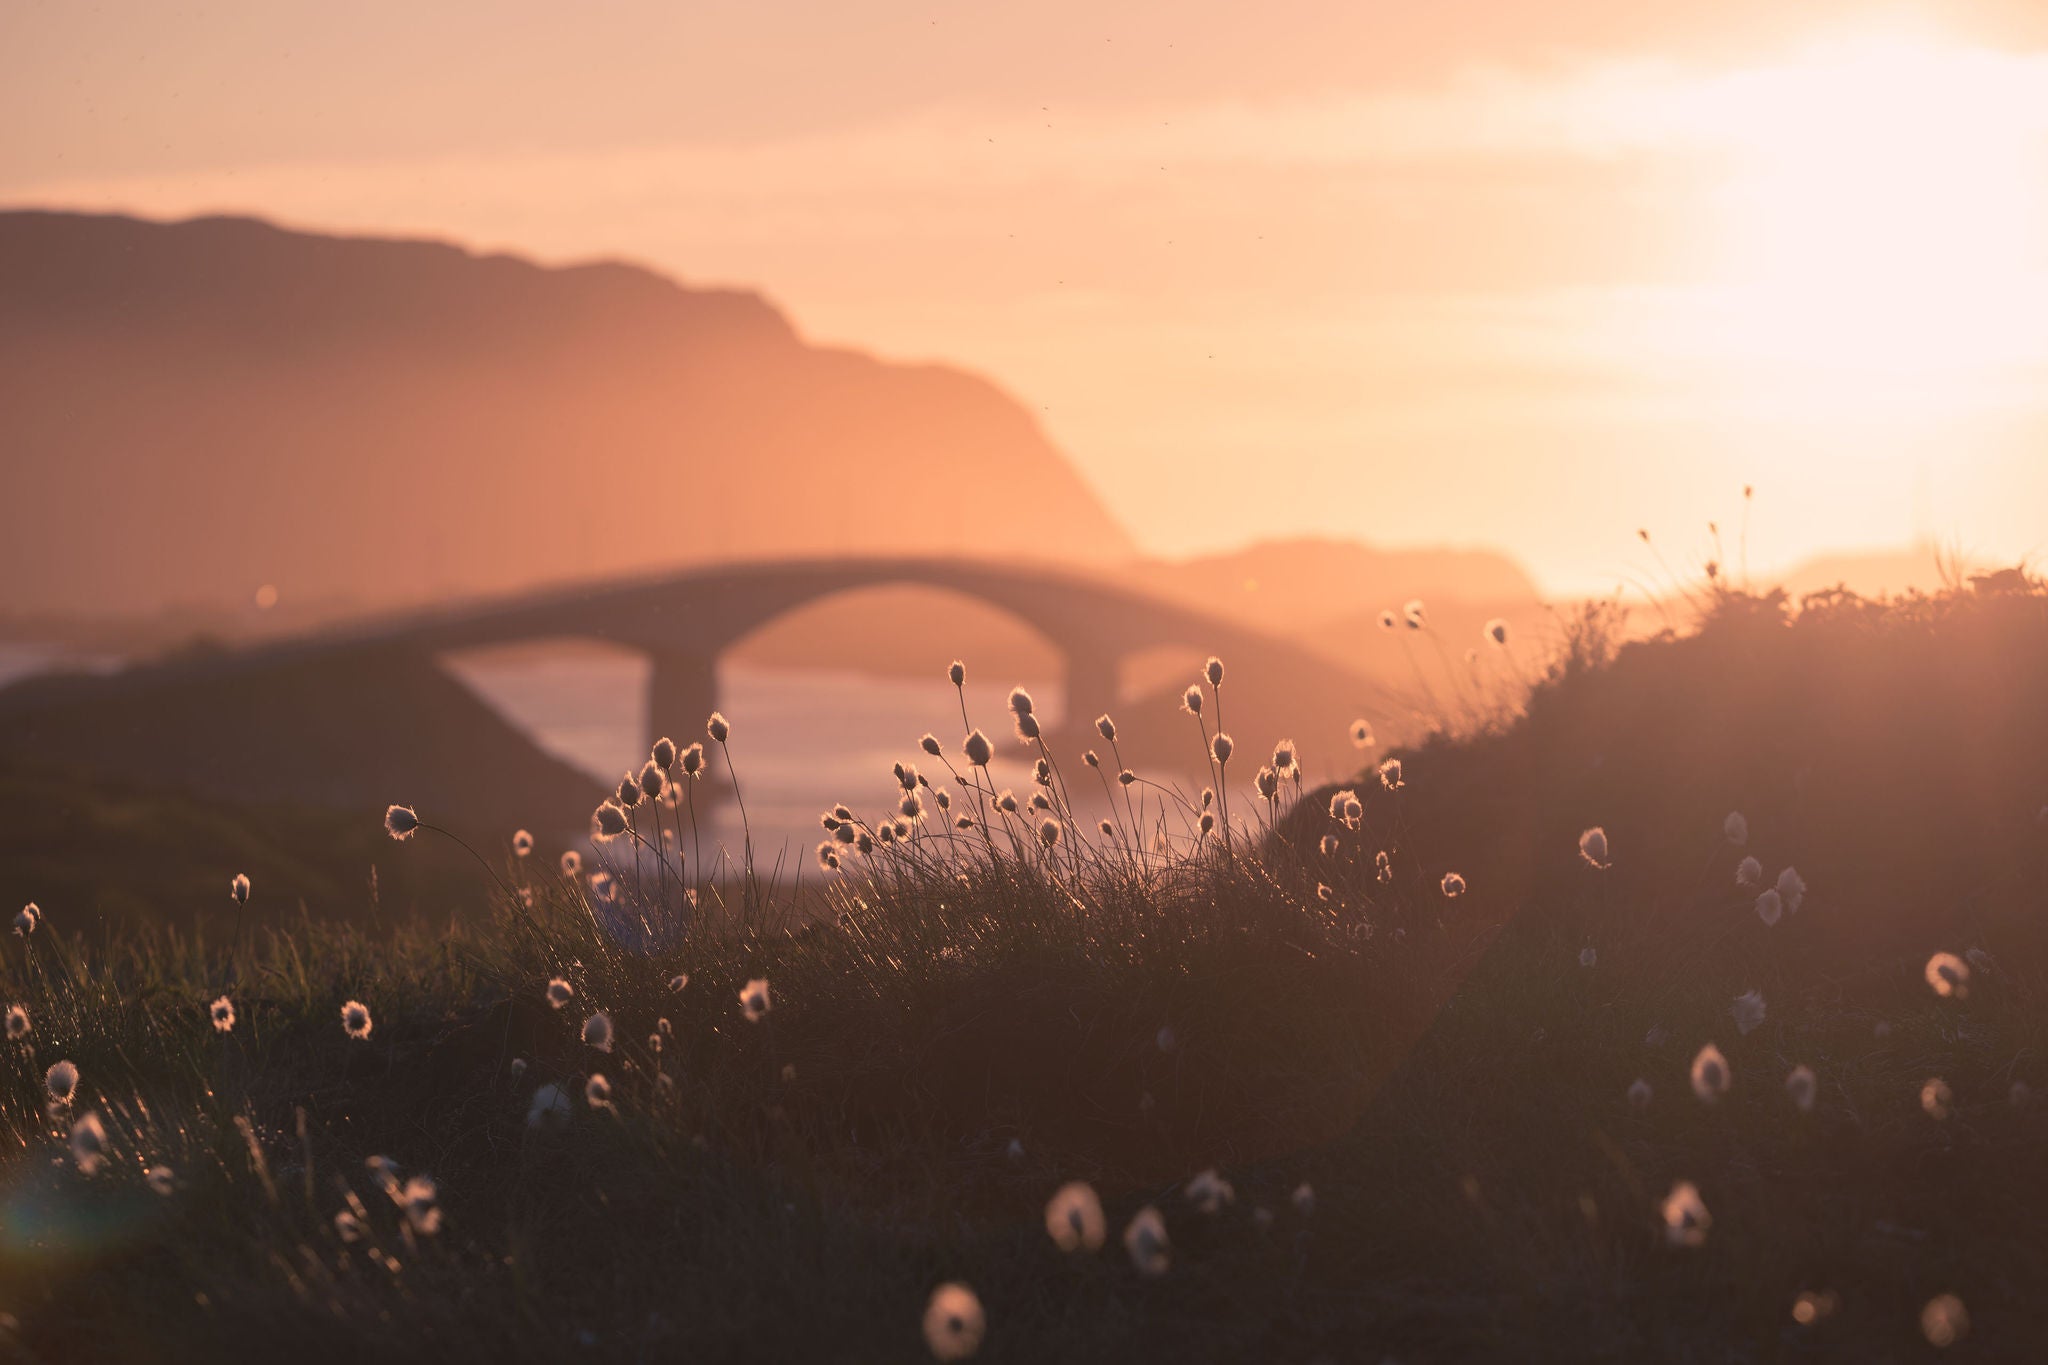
[1530,275]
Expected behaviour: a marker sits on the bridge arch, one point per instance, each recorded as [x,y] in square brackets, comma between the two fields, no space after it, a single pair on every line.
[684,678]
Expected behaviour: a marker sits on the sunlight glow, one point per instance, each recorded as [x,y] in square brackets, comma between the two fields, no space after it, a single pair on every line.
[1884,217]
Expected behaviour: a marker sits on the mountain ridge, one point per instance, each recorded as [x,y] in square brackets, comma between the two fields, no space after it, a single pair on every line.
[239,403]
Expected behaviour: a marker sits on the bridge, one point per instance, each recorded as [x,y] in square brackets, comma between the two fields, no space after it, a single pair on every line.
[364,712]
[683,622]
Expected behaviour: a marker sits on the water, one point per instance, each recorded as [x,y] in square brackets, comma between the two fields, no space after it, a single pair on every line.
[803,740]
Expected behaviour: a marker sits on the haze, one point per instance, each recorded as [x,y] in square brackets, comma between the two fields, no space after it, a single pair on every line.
[1516,276]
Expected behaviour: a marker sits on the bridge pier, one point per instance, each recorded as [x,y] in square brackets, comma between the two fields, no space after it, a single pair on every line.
[1091,688]
[682,692]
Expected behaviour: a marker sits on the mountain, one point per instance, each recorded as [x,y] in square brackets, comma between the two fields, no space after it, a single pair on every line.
[193,410]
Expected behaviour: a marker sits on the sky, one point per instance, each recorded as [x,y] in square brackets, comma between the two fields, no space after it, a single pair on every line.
[1479,272]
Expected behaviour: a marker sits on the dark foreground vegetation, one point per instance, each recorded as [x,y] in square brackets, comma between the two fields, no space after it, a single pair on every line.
[1423,1109]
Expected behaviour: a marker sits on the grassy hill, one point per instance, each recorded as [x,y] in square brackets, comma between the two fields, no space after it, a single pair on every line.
[1451,1126]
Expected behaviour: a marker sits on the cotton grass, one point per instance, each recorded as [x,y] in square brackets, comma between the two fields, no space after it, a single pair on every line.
[954,1323]
[355,1020]
[1593,848]
[1686,1220]
[1710,1074]
[1147,1244]
[1949,975]
[1073,1217]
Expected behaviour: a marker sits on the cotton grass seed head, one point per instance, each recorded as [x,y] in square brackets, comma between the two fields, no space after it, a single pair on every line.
[572,863]
[27,920]
[1020,702]
[1710,1075]
[1747,1011]
[355,1019]
[1593,847]
[1735,829]
[89,1144]
[1770,907]
[1106,727]
[607,822]
[62,1081]
[1390,775]
[560,992]
[628,794]
[1191,700]
[1328,845]
[754,999]
[693,760]
[1073,1217]
[419,1202]
[930,744]
[549,1108]
[1146,1242]
[1048,831]
[1361,735]
[956,673]
[597,1031]
[222,1012]
[238,889]
[828,856]
[1220,747]
[1346,809]
[1267,782]
[718,728]
[17,1023]
[1209,1192]
[597,1091]
[652,780]
[1213,671]
[977,749]
[1686,1219]
[1949,975]
[161,1180]
[1791,889]
[400,822]
[1944,1321]
[1749,874]
[1497,631]
[1936,1099]
[954,1323]
[1453,885]
[663,753]
[1803,1088]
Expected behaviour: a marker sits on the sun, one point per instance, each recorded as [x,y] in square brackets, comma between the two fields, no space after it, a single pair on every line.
[1883,216]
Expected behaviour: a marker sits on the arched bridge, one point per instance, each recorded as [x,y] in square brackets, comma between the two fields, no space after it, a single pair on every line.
[358,715]
[684,621]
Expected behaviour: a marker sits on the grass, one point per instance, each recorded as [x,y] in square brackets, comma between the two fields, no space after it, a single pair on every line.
[961,1026]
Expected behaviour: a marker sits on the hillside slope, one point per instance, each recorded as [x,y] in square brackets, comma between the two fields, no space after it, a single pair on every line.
[219,404]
